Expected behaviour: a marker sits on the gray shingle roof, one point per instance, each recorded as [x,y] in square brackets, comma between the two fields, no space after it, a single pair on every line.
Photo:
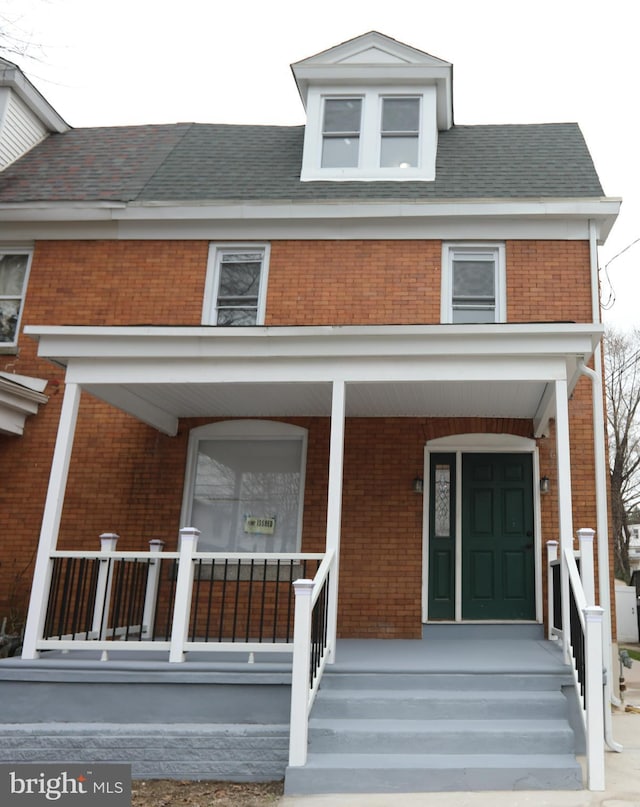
[210,162]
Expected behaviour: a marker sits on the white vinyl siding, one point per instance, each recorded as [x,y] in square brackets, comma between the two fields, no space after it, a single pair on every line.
[20,129]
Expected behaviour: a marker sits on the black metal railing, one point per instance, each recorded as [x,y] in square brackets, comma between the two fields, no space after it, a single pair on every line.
[72,598]
[105,598]
[576,640]
[319,625]
[241,601]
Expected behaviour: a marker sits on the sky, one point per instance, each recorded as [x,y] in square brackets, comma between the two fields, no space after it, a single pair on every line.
[227,61]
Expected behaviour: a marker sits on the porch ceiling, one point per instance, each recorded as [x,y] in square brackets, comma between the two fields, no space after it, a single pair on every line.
[159,375]
[313,399]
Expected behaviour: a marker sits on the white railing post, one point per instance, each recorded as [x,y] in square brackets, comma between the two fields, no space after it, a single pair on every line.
[587,569]
[552,555]
[184,588]
[594,696]
[151,593]
[108,541]
[300,673]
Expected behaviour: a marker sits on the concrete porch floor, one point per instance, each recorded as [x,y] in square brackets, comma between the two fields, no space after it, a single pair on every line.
[444,648]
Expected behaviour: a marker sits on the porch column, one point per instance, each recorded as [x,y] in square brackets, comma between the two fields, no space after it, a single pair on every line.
[565,507]
[334,506]
[51,520]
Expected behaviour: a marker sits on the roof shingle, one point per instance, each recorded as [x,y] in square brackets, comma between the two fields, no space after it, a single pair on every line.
[191,162]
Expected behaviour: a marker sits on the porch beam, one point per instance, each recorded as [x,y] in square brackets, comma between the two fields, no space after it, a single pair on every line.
[362,368]
[565,506]
[334,504]
[51,520]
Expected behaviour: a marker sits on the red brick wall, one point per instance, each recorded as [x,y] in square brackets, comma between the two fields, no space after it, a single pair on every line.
[127,478]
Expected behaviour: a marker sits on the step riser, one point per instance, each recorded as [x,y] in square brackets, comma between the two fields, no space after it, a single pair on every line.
[447,682]
[421,781]
[458,743]
[440,709]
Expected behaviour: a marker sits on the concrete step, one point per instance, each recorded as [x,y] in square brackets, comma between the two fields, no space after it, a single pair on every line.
[415,773]
[440,704]
[455,683]
[459,737]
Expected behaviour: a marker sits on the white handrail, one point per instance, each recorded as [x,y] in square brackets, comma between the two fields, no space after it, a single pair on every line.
[590,617]
[304,682]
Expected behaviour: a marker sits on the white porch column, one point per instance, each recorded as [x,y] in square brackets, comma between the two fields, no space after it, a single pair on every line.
[51,520]
[334,506]
[565,514]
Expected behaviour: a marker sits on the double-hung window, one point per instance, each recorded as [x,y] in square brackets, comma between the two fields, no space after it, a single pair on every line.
[473,283]
[370,133]
[341,132]
[14,270]
[400,132]
[236,285]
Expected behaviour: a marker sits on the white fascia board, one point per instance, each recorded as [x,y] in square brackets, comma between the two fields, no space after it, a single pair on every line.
[27,220]
[247,211]
[89,373]
[64,343]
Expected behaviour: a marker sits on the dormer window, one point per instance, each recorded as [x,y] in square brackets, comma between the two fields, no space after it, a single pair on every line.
[370,134]
[374,109]
[400,133]
[341,132]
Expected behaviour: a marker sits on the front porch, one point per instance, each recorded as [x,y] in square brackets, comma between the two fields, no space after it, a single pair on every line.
[384,386]
[224,717]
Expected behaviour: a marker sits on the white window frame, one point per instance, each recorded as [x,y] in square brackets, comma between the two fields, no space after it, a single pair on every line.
[243,430]
[449,253]
[10,347]
[212,284]
[369,168]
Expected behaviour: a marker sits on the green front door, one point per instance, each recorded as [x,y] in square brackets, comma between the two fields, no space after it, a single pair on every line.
[497,537]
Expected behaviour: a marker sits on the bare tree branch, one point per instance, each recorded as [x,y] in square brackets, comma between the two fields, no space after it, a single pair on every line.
[622,363]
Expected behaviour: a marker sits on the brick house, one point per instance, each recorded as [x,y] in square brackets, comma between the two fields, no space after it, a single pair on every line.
[367,346]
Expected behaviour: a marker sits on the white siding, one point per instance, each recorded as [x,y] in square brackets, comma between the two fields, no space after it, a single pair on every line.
[20,129]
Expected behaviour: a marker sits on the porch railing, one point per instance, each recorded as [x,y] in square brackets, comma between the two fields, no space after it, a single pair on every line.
[312,650]
[172,601]
[577,621]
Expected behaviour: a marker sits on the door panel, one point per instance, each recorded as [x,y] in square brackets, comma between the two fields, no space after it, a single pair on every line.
[497,537]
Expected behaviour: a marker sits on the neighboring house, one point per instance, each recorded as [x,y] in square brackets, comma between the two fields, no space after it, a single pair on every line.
[365,344]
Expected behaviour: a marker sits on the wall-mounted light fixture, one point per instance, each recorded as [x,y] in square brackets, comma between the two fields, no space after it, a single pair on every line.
[545,485]
[418,485]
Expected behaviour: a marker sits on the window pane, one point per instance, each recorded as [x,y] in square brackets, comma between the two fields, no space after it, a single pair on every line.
[473,315]
[473,279]
[342,115]
[399,152]
[400,114]
[442,503]
[340,152]
[12,271]
[237,316]
[9,310]
[241,479]
[239,288]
